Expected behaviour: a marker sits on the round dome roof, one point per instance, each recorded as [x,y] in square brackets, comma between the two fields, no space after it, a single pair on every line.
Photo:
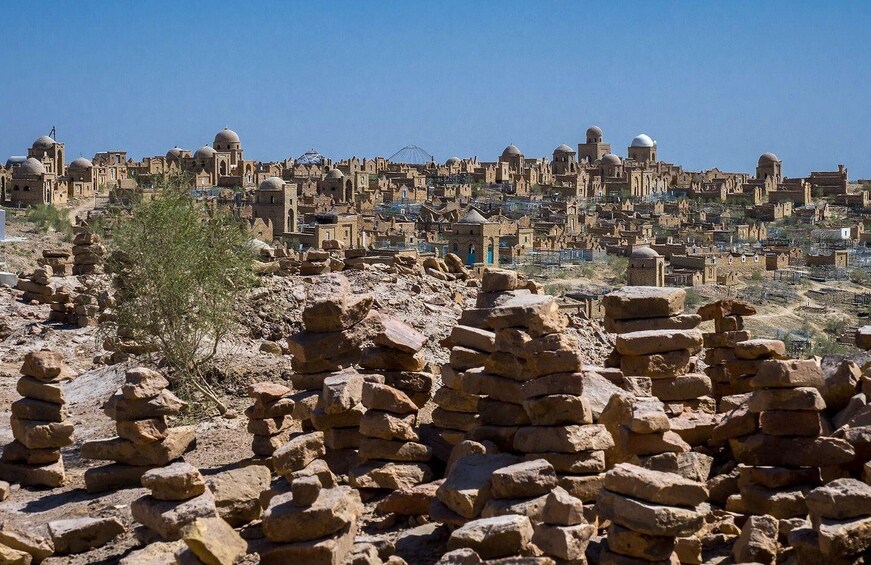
[335,174]
[643,140]
[594,131]
[204,152]
[563,149]
[43,142]
[31,167]
[473,217]
[174,153]
[81,163]
[226,135]
[611,159]
[272,183]
[645,251]
[453,161]
[511,151]
[15,160]
[768,158]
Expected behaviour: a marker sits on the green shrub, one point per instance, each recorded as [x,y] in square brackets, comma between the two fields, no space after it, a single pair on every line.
[51,218]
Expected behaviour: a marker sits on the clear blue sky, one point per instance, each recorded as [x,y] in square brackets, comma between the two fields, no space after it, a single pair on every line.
[715,83]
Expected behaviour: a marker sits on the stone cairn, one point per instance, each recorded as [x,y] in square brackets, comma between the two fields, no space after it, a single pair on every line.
[840,519]
[781,451]
[397,354]
[37,286]
[727,374]
[323,357]
[140,408]
[504,304]
[648,511]
[58,260]
[178,496]
[664,355]
[38,423]
[456,410]
[269,417]
[391,454]
[87,254]
[311,524]
[63,307]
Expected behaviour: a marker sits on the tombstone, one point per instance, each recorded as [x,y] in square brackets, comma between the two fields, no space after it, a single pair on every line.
[2,225]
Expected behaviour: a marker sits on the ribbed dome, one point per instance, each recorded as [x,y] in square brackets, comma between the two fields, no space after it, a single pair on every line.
[645,251]
[611,159]
[81,163]
[174,154]
[563,149]
[768,158]
[594,131]
[473,217]
[335,174]
[204,152]
[226,135]
[31,167]
[272,183]
[511,151]
[643,140]
[43,142]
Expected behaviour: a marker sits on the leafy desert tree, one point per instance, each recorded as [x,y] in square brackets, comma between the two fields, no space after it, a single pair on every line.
[179,265]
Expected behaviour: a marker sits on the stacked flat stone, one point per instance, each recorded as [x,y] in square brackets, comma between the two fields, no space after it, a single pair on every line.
[178,497]
[666,356]
[311,524]
[728,375]
[58,260]
[330,342]
[528,346]
[269,417]
[781,462]
[840,524]
[397,354]
[390,453]
[648,510]
[38,423]
[641,430]
[37,286]
[456,410]
[626,310]
[86,309]
[88,254]
[561,429]
[63,307]
[303,456]
[145,441]
[337,414]
[315,262]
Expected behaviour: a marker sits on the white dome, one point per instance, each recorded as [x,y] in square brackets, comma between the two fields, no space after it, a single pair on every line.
[643,252]
[204,152]
[473,217]
[174,153]
[563,149]
[453,161]
[643,140]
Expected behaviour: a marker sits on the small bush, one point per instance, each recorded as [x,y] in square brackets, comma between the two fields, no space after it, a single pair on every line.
[48,217]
